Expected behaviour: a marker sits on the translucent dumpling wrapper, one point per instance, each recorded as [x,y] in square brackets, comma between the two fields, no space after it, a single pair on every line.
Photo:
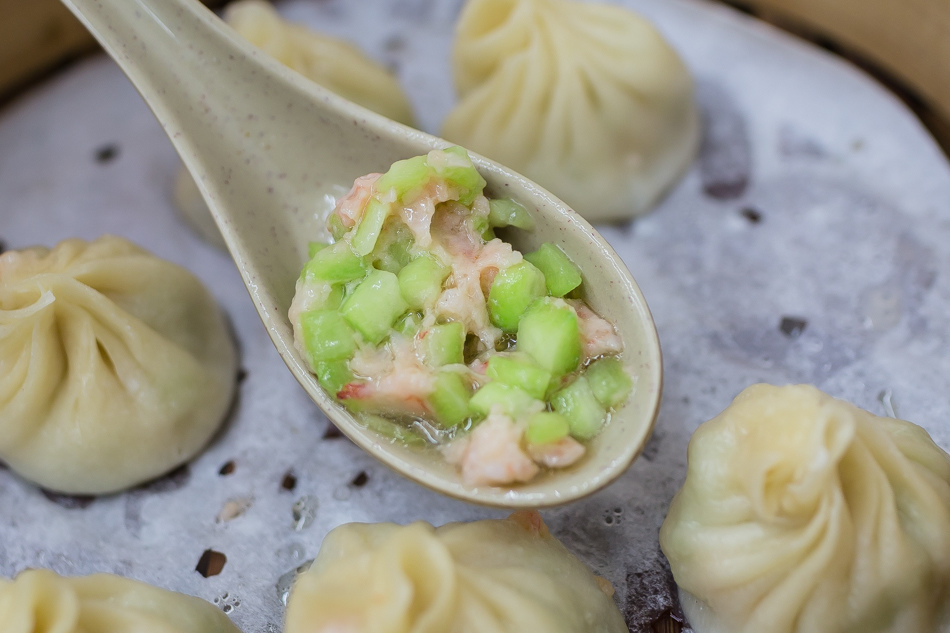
[40,601]
[804,514]
[493,576]
[586,99]
[116,366]
[335,64]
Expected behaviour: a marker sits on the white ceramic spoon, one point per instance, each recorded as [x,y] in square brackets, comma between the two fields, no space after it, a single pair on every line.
[269,150]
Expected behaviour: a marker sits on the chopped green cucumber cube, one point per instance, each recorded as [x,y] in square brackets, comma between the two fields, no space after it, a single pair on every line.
[547,427]
[374,305]
[449,400]
[512,291]
[519,373]
[370,226]
[444,344]
[420,281]
[409,325]
[337,263]
[393,430]
[333,375]
[315,247]
[609,381]
[507,212]
[513,400]
[336,227]
[560,273]
[550,335]
[406,178]
[456,168]
[334,298]
[326,336]
[583,411]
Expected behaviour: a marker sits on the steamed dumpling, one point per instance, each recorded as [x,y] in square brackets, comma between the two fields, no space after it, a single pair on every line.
[801,513]
[334,64]
[115,366]
[503,576]
[39,601]
[586,99]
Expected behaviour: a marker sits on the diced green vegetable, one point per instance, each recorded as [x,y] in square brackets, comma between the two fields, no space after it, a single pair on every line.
[560,273]
[315,247]
[481,226]
[420,281]
[507,212]
[550,335]
[374,305]
[406,178]
[455,166]
[512,291]
[609,381]
[547,427]
[336,227]
[333,375]
[337,263]
[370,226]
[393,430]
[450,399]
[334,298]
[513,401]
[577,403]
[519,373]
[444,344]
[409,324]
[326,336]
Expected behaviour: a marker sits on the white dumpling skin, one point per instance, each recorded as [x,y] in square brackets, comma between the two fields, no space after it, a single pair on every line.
[40,601]
[803,514]
[586,99]
[116,366]
[335,64]
[492,576]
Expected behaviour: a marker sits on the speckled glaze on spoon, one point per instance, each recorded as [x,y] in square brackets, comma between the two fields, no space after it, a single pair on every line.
[270,151]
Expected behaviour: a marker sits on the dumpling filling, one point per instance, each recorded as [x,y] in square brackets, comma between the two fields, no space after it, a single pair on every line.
[418,313]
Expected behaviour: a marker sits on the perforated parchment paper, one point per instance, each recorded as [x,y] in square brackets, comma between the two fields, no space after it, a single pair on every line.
[807,244]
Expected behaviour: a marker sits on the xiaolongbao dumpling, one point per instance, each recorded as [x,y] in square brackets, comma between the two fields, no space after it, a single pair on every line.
[504,576]
[334,64]
[115,365]
[801,513]
[40,601]
[586,99]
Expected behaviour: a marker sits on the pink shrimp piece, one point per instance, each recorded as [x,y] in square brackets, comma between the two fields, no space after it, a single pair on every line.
[559,454]
[491,455]
[419,213]
[350,207]
[396,381]
[598,336]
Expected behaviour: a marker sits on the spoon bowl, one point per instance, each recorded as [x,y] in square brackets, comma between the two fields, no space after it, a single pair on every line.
[270,151]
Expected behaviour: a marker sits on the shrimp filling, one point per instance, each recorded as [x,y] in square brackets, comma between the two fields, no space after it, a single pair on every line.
[432,330]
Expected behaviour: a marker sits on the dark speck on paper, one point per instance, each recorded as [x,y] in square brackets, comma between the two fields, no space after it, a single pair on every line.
[792,327]
[289,482]
[752,214]
[211,563]
[107,153]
